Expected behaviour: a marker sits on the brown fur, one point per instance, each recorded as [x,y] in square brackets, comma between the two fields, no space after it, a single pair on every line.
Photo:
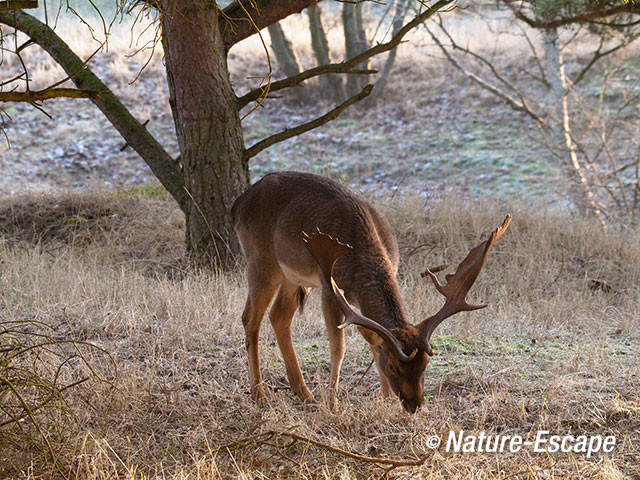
[269,219]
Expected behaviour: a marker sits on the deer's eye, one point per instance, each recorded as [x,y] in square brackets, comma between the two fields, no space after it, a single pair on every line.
[393,369]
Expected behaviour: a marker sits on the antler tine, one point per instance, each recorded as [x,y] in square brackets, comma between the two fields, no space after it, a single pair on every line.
[326,250]
[459,284]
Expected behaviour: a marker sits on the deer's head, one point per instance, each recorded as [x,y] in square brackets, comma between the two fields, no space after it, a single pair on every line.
[404,352]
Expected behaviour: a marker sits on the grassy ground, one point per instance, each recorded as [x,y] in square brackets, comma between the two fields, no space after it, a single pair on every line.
[554,351]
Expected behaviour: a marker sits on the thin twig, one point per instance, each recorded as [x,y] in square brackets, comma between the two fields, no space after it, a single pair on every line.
[521,106]
[347,66]
[31,416]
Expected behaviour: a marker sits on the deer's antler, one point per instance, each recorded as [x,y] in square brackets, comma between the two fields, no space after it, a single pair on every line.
[326,250]
[458,285]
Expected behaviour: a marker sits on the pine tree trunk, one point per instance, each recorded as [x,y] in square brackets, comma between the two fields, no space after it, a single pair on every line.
[208,127]
[331,83]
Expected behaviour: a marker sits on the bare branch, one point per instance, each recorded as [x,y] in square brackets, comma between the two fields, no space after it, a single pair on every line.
[348,65]
[356,456]
[160,162]
[624,167]
[521,106]
[243,16]
[8,5]
[305,127]
[40,95]
[260,92]
[15,78]
[599,54]
[629,7]
[266,437]
[482,60]
[536,57]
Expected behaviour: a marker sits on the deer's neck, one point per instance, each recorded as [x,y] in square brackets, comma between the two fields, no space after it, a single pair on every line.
[379,298]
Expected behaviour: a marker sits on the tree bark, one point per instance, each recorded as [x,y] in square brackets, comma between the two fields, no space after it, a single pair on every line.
[329,83]
[208,127]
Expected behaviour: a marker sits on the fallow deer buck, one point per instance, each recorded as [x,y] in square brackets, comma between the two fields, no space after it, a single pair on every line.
[299,230]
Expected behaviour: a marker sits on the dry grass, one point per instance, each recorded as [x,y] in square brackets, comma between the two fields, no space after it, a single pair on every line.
[113,227]
[550,352]
[557,348]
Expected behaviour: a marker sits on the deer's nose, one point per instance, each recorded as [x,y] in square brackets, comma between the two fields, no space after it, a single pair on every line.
[411,406]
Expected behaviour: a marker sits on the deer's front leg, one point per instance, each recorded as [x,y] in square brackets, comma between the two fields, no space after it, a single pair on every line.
[333,317]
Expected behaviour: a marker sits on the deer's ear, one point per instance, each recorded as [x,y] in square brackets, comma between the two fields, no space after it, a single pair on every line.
[325,250]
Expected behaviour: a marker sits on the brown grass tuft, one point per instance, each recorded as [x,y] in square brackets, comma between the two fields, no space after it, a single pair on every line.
[113,225]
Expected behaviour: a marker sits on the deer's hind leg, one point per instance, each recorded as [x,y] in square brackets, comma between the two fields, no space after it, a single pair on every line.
[281,315]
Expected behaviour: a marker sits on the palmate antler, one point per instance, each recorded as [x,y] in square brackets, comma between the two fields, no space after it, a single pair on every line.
[458,285]
[326,250]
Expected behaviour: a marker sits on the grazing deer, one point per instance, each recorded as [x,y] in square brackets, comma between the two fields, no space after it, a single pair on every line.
[350,246]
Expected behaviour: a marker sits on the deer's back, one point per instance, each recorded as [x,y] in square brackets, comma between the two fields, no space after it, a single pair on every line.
[271,215]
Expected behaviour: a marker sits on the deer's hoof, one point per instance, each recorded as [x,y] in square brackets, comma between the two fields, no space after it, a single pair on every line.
[260,397]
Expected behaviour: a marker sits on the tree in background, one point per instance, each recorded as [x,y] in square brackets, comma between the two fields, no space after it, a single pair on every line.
[330,83]
[212,169]
[286,57]
[578,121]
[356,39]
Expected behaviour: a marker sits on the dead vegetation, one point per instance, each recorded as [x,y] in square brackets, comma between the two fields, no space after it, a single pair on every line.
[114,226]
[551,352]
[557,349]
